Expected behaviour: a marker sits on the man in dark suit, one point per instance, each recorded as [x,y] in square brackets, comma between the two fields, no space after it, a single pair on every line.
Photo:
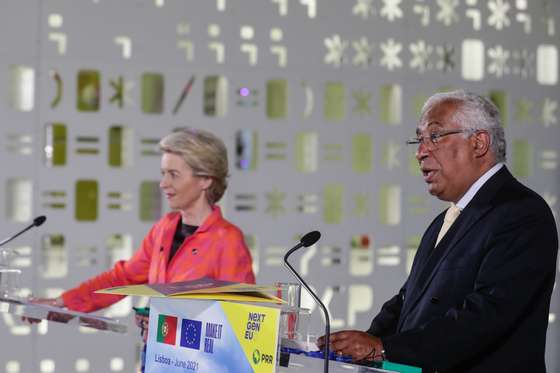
[478,295]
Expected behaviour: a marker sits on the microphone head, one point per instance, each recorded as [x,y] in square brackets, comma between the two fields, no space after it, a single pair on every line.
[310,238]
[39,220]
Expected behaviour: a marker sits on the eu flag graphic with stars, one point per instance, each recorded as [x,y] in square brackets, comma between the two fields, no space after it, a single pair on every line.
[190,333]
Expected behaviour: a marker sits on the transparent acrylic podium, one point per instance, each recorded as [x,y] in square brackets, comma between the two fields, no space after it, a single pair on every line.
[299,339]
[306,364]
[9,276]
[22,308]
[294,336]
[12,303]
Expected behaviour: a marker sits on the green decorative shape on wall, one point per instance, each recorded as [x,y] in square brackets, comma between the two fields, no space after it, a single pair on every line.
[390,104]
[87,192]
[389,204]
[150,201]
[333,203]
[499,98]
[152,93]
[362,153]
[275,202]
[215,100]
[56,143]
[115,146]
[522,158]
[335,101]
[362,104]
[89,90]
[307,145]
[523,110]
[276,99]
[361,205]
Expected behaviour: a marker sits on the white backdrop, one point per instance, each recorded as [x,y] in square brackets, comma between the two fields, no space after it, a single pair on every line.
[314,100]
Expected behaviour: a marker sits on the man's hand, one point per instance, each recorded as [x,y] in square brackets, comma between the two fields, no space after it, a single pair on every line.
[360,345]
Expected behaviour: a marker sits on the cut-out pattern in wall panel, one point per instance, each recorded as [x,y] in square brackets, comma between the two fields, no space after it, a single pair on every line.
[314,100]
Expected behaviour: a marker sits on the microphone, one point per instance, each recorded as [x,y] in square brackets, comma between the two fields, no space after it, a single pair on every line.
[39,220]
[306,241]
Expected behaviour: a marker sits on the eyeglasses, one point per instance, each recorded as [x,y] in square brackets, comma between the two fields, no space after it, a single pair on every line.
[431,140]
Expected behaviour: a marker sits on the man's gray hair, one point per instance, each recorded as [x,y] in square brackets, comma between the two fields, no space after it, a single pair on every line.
[477,112]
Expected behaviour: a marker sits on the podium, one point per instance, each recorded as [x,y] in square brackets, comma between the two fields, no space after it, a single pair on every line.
[22,308]
[211,336]
[305,364]
[225,336]
[207,325]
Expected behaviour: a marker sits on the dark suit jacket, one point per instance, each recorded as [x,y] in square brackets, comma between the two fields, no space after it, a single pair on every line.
[479,301]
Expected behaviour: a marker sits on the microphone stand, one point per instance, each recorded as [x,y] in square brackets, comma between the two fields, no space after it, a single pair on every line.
[5,241]
[36,222]
[323,308]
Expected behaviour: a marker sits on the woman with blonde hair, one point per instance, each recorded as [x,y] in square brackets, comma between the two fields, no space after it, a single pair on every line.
[191,242]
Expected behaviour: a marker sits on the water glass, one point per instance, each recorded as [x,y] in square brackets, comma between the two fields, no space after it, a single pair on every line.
[291,294]
[9,283]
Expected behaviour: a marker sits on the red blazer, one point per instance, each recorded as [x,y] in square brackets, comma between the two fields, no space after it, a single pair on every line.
[216,249]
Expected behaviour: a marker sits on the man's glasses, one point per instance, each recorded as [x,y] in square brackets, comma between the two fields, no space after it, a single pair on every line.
[432,139]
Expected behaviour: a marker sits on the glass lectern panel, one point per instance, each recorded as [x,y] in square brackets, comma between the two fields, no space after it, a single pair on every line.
[43,312]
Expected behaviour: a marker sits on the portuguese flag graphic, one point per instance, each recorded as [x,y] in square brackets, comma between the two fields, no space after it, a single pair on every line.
[167,329]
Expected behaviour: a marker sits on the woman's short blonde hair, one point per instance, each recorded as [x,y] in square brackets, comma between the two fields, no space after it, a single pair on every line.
[204,153]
